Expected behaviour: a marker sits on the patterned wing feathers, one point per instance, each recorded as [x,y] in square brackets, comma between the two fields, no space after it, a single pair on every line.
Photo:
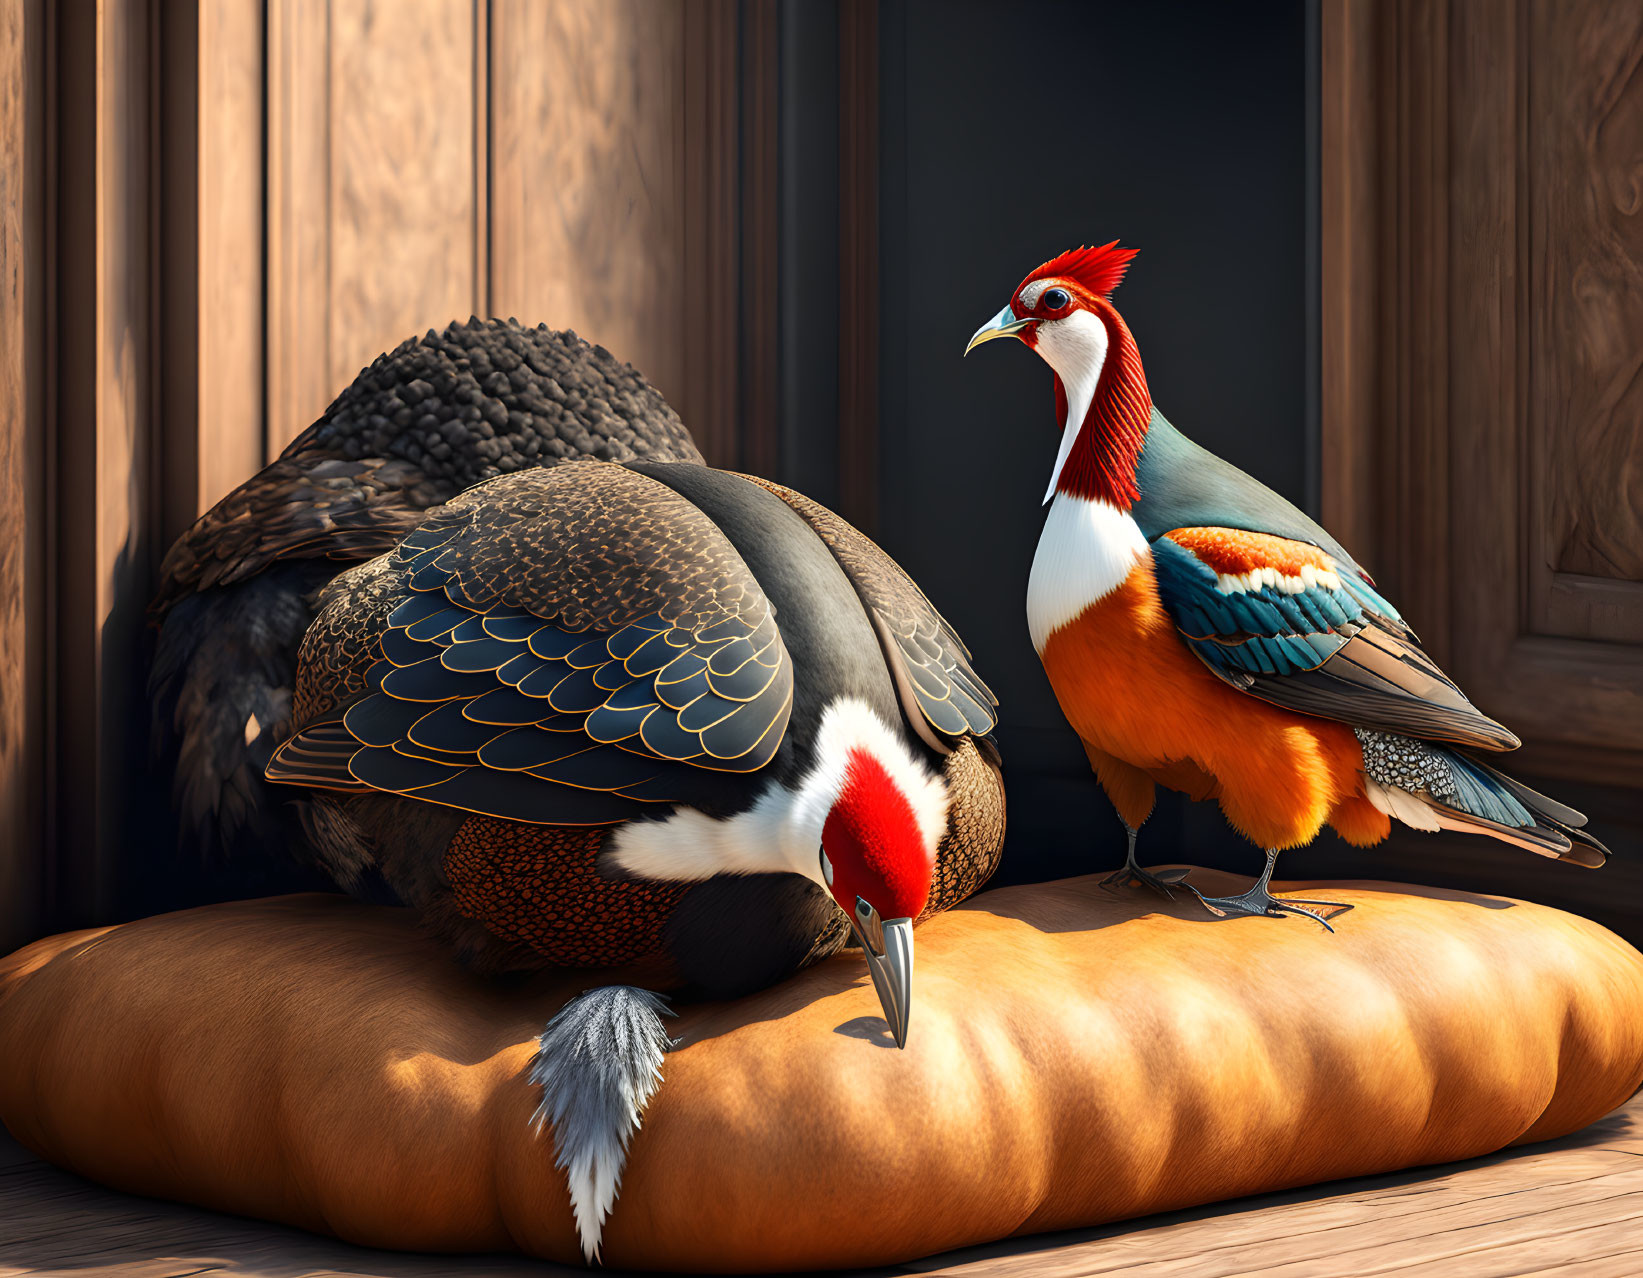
[1280,619]
[574,632]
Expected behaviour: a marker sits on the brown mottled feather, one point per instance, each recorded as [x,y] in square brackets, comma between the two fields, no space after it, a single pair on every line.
[970,850]
[539,887]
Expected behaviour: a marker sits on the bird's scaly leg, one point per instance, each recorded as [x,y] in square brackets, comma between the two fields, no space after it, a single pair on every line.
[1259,900]
[1133,873]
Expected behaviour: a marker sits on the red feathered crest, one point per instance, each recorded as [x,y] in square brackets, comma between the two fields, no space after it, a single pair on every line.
[1097,270]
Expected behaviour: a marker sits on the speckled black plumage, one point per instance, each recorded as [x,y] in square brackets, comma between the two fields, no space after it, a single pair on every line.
[485,398]
[421,423]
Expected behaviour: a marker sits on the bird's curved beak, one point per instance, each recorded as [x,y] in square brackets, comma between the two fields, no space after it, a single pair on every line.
[888,946]
[1004,324]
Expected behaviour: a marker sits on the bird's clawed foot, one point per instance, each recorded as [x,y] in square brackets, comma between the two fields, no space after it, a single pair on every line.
[1260,901]
[1133,875]
[598,1063]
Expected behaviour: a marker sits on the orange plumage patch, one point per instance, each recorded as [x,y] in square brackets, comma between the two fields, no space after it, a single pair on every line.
[1233,552]
[1149,711]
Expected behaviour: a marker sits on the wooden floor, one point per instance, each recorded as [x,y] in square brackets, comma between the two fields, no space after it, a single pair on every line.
[1570,1207]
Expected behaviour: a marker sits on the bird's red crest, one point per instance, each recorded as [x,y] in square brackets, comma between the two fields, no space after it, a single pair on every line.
[1097,271]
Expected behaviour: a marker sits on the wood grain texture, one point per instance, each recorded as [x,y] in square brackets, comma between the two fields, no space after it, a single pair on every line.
[707,137]
[1578,705]
[1482,434]
[232,167]
[588,181]
[376,186]
[404,172]
[212,298]
[22,465]
[1584,168]
[299,198]
[1350,262]
[104,406]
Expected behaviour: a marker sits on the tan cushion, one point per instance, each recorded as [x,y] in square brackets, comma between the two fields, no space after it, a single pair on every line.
[1076,1056]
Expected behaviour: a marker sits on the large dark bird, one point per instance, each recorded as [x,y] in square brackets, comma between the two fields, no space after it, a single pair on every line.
[654,716]
[418,426]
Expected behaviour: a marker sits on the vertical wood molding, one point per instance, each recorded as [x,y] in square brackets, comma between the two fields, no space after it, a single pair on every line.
[707,146]
[481,108]
[211,289]
[759,350]
[299,199]
[105,389]
[231,298]
[859,262]
[1349,177]
[22,467]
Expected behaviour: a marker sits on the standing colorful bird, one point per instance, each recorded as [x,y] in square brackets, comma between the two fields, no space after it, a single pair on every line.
[649,716]
[1203,634]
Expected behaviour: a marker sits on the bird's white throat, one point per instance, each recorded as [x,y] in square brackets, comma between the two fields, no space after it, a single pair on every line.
[1087,550]
[1076,347]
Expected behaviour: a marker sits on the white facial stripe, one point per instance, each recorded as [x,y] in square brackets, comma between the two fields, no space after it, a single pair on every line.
[1076,347]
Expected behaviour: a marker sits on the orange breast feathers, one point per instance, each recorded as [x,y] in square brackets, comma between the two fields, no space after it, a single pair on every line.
[1149,711]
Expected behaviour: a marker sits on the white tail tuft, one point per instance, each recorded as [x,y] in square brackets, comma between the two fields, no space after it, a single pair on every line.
[598,1063]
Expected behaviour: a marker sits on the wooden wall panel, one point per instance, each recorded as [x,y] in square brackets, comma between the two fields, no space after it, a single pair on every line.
[1483,424]
[1538,412]
[403,212]
[1584,167]
[22,468]
[1349,199]
[588,129]
[376,184]
[211,291]
[232,168]
[1479,209]
[298,218]
[104,401]
[859,125]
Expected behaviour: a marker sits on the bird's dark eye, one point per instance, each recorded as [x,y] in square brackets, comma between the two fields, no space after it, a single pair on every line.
[1054,299]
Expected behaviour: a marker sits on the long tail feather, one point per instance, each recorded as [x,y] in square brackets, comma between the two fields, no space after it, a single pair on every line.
[1430,787]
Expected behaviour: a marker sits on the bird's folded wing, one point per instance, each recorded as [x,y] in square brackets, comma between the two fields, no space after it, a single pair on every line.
[1283,621]
[929,661]
[300,507]
[563,645]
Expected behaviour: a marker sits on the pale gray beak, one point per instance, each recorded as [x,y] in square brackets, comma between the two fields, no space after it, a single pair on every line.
[888,947]
[1004,324]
